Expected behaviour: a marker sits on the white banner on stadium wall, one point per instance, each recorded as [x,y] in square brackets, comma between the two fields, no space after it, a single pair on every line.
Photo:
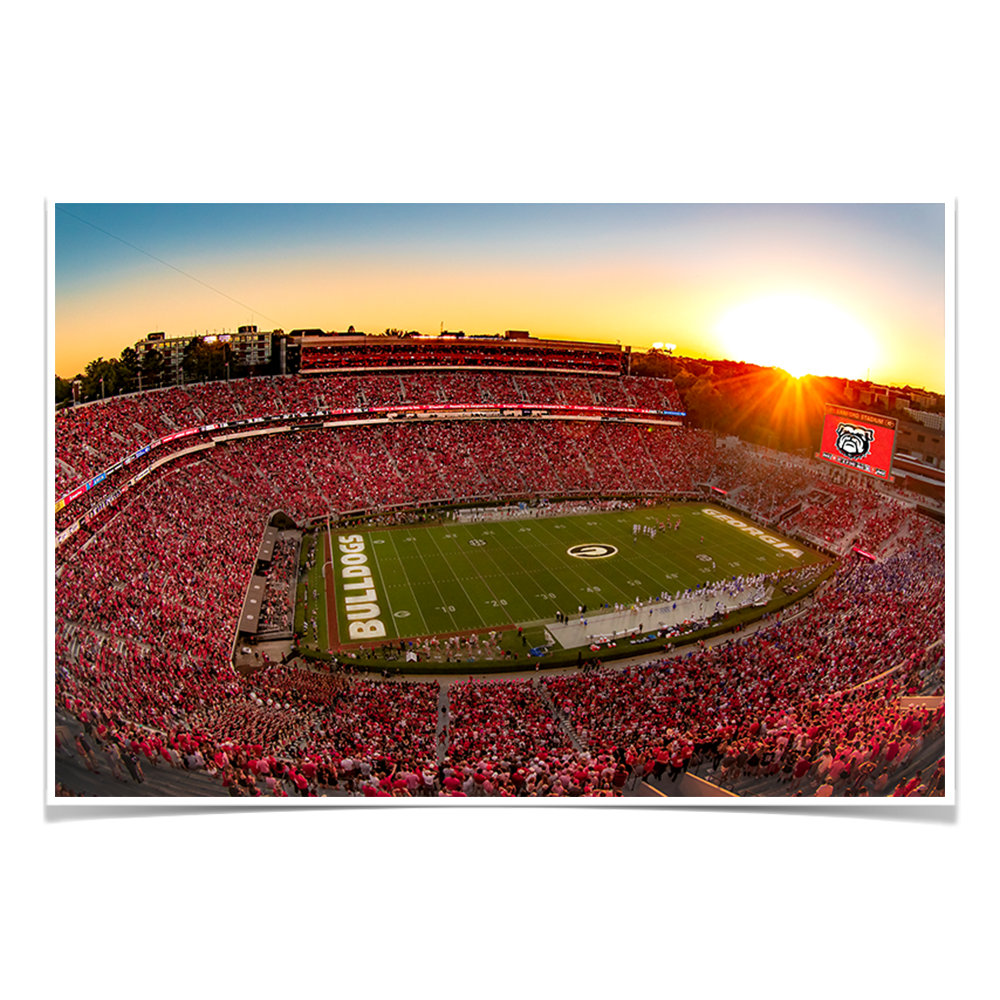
[63,535]
[751,530]
[103,505]
[100,477]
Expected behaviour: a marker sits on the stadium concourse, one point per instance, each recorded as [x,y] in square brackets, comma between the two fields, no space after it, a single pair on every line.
[842,696]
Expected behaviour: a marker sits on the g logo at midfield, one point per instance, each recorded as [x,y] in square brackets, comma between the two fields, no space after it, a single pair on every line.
[592,550]
[854,442]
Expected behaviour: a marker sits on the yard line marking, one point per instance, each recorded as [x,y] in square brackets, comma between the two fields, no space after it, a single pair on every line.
[544,568]
[416,603]
[382,579]
[482,622]
[444,603]
[331,593]
[512,572]
[501,572]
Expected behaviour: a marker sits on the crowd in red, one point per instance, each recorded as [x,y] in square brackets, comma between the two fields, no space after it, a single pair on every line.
[791,687]
[171,568]
[308,473]
[91,438]
[760,483]
[146,612]
[505,740]
[863,517]
[783,706]
[471,353]
[277,612]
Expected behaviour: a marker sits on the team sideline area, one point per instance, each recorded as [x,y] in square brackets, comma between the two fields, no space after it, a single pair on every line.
[173,506]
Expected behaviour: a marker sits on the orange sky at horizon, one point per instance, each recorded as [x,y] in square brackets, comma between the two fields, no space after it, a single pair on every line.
[640,290]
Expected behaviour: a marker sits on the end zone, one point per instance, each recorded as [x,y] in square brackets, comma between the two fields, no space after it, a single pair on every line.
[749,529]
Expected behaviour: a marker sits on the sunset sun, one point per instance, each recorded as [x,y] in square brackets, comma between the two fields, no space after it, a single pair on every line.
[802,335]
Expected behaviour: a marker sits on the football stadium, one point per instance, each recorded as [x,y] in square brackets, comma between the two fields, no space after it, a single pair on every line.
[450,567]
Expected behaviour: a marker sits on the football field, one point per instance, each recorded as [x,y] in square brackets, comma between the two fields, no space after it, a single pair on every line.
[456,577]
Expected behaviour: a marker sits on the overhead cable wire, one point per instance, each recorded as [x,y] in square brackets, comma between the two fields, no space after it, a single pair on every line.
[256,312]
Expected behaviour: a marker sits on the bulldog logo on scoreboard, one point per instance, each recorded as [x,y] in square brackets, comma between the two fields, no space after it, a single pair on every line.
[592,550]
[854,442]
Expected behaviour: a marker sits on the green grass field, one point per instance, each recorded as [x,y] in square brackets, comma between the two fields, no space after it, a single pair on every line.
[456,577]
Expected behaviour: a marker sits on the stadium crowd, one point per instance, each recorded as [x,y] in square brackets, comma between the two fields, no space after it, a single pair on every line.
[308,473]
[780,683]
[470,353]
[759,484]
[92,437]
[863,517]
[277,612]
[147,598]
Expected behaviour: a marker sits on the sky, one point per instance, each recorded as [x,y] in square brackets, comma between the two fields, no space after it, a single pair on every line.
[852,290]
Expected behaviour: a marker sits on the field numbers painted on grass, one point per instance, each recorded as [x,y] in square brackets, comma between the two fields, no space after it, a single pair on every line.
[635,583]
[477,541]
[593,590]
[501,603]
[451,536]
[448,609]
[671,576]
[379,541]
[524,529]
[550,596]
[736,564]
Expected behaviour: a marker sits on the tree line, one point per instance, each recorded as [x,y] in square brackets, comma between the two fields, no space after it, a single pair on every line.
[135,372]
[764,406]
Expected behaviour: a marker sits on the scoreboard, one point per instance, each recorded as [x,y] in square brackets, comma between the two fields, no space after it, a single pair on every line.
[857,440]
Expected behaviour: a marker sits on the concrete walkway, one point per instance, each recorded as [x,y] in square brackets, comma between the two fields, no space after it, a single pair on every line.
[160,781]
[443,721]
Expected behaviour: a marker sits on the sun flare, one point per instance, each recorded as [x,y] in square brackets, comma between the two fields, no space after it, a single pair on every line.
[802,335]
